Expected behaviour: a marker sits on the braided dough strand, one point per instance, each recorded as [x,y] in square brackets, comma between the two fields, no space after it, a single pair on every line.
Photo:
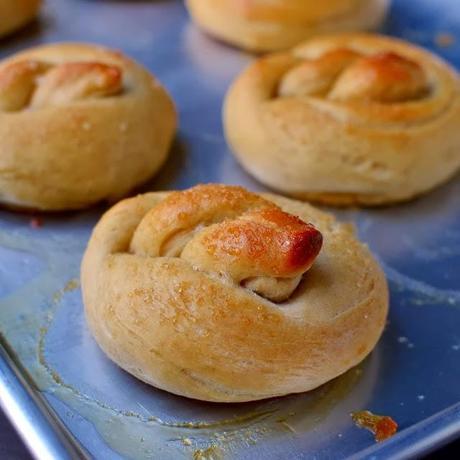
[345,75]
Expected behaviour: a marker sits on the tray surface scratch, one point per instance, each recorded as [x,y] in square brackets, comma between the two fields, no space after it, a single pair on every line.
[413,374]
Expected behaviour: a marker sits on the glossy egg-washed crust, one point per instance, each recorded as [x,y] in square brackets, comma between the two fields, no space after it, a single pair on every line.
[258,25]
[347,119]
[177,290]
[78,124]
[14,14]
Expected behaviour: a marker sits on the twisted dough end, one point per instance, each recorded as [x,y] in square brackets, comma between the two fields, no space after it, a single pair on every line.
[220,294]
[233,233]
[384,77]
[77,80]
[36,84]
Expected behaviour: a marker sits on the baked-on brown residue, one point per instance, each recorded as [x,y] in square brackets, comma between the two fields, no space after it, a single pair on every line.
[211,453]
[36,222]
[444,40]
[382,426]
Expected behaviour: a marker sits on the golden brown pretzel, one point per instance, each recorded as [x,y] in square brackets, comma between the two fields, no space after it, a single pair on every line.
[220,294]
[261,25]
[78,124]
[347,119]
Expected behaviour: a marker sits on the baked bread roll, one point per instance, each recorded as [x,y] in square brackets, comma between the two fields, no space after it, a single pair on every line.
[261,25]
[214,293]
[78,124]
[347,119]
[14,14]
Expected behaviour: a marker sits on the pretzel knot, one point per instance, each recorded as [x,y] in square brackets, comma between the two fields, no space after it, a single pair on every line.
[346,75]
[36,84]
[233,234]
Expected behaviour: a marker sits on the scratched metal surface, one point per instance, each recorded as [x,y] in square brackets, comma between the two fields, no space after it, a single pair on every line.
[413,375]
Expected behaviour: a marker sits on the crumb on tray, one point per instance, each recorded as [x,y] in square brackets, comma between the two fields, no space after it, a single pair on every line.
[444,40]
[382,426]
[36,222]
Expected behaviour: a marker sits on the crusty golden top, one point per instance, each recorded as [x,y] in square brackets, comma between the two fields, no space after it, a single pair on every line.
[369,79]
[346,75]
[232,233]
[35,84]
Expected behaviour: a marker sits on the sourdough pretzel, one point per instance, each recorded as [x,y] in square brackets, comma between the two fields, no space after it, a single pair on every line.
[261,25]
[220,294]
[78,124]
[14,14]
[347,119]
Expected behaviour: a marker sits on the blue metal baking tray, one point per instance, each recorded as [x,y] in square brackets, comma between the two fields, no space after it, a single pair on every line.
[68,401]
